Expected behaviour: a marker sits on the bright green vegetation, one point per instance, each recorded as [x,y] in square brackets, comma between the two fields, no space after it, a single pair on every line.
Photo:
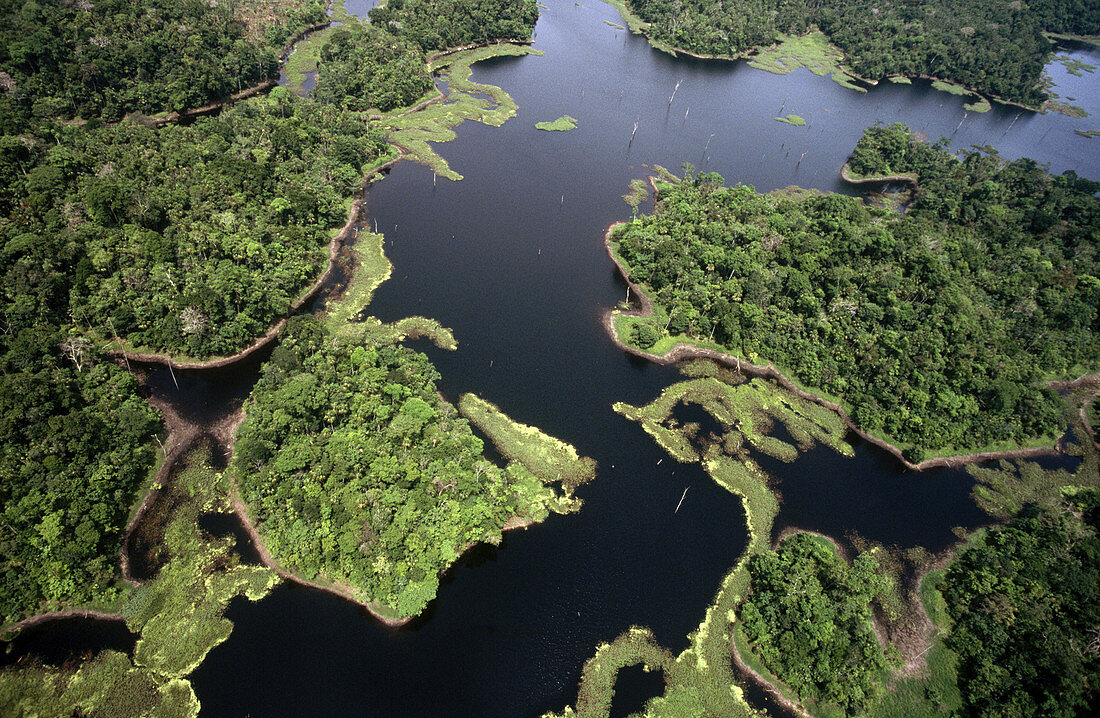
[995,47]
[1088,133]
[938,329]
[111,57]
[550,459]
[222,222]
[792,120]
[811,51]
[371,267]
[562,124]
[809,618]
[949,87]
[981,105]
[178,616]
[899,80]
[747,413]
[358,475]
[614,25]
[700,680]
[1074,66]
[108,684]
[75,449]
[367,68]
[1004,490]
[1024,611]
[414,131]
[441,24]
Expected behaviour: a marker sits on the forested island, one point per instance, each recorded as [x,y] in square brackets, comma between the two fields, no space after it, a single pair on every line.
[996,48]
[939,329]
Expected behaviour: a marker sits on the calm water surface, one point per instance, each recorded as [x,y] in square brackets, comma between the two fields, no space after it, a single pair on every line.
[512,259]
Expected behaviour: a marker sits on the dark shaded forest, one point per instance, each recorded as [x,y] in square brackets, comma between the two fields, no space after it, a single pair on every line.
[995,47]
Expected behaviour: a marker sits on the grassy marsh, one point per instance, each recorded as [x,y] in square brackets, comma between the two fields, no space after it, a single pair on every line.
[562,124]
[792,120]
[413,131]
[549,459]
[811,51]
[982,104]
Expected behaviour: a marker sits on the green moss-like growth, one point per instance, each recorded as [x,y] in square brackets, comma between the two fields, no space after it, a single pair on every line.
[550,459]
[179,613]
[811,51]
[413,131]
[792,120]
[899,80]
[107,685]
[949,87]
[1088,133]
[562,124]
[1074,66]
[980,105]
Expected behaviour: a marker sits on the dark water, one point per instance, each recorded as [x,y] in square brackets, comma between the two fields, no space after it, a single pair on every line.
[67,639]
[512,259]
[633,688]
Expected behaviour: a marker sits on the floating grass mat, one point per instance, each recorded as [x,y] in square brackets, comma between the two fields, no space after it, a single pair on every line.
[549,459]
[980,105]
[900,80]
[811,51]
[562,124]
[107,685]
[792,120]
[1089,134]
[414,130]
[1074,66]
[748,411]
[949,87]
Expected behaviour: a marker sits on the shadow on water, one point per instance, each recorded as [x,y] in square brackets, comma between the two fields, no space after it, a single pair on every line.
[634,687]
[221,525]
[65,640]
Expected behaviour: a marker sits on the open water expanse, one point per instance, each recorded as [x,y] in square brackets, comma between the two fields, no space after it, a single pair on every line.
[512,259]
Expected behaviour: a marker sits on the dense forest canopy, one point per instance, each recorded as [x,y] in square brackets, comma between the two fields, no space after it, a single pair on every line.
[442,24]
[364,67]
[356,471]
[993,46]
[809,618]
[1024,606]
[938,328]
[104,58]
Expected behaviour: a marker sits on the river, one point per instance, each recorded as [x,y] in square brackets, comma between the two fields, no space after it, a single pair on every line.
[512,259]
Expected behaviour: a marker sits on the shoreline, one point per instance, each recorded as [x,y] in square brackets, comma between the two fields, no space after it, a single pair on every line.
[683,351]
[240,509]
[847,176]
[10,632]
[334,247]
[748,54]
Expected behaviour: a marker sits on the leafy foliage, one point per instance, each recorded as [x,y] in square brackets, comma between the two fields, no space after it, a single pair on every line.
[357,472]
[809,618]
[937,328]
[365,67]
[1024,607]
[441,24]
[186,239]
[109,57]
[996,47]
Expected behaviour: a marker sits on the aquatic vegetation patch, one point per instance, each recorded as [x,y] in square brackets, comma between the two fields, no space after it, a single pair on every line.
[414,130]
[1074,66]
[792,120]
[1088,133]
[950,88]
[550,459]
[562,124]
[982,104]
[108,684]
[899,80]
[811,51]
